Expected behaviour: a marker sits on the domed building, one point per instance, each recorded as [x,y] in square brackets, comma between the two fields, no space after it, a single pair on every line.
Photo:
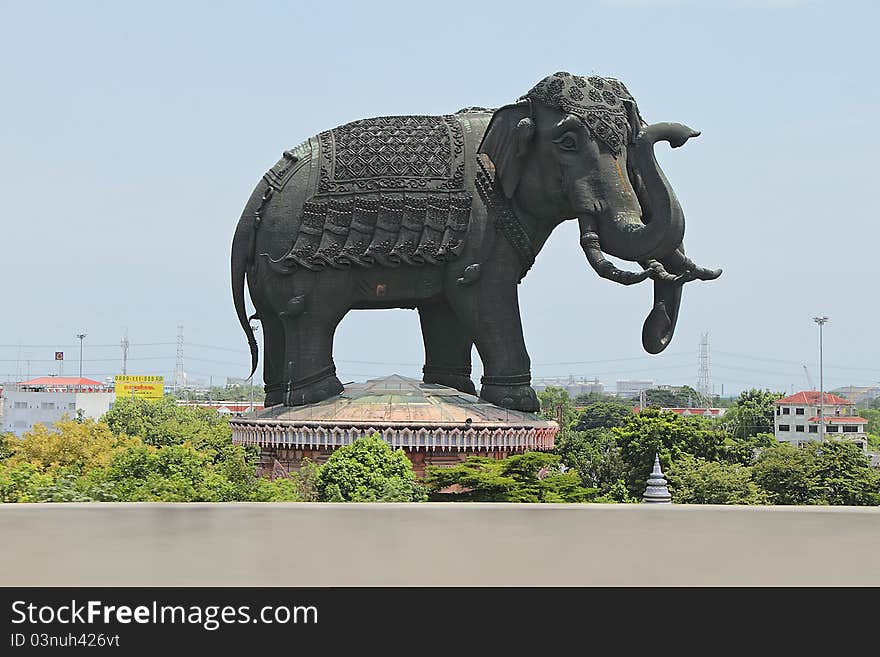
[433,424]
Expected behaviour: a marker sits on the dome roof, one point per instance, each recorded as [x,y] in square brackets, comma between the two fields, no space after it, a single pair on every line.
[399,400]
[405,412]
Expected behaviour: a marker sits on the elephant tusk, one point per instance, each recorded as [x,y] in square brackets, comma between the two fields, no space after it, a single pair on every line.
[605,268]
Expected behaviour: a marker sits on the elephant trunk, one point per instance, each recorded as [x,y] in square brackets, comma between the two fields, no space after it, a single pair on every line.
[661,227]
[660,324]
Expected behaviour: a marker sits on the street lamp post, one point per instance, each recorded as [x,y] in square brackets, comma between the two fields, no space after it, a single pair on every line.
[821,322]
[81,337]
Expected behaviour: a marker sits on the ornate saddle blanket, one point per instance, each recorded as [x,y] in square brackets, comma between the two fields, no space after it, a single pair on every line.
[390,191]
[393,153]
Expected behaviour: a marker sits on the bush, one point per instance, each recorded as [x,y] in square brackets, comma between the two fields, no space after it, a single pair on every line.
[528,477]
[367,470]
[693,480]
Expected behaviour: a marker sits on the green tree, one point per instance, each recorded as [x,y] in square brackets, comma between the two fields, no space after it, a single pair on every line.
[71,445]
[174,473]
[162,422]
[745,450]
[693,480]
[671,436]
[683,397]
[595,456]
[844,475]
[279,490]
[784,472]
[752,414]
[367,470]
[528,477]
[833,472]
[7,445]
[872,415]
[307,481]
[555,402]
[603,415]
[591,397]
[22,482]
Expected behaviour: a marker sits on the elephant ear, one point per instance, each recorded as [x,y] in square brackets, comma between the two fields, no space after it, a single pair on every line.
[506,142]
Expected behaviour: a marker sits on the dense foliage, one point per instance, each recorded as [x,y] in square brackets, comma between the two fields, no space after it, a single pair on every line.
[557,404]
[735,460]
[85,460]
[529,477]
[603,415]
[368,470]
[752,414]
[157,451]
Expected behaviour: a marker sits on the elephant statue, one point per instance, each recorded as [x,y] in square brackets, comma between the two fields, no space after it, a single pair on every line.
[445,214]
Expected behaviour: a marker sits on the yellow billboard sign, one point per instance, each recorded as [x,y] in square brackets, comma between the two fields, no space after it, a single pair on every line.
[149,387]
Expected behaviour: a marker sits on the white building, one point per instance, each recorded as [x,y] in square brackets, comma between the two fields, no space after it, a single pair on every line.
[46,399]
[571,385]
[633,387]
[797,419]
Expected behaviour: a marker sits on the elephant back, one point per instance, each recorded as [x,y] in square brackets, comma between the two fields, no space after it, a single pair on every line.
[383,191]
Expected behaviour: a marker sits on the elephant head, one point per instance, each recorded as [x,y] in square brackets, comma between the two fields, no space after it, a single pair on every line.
[563,151]
[576,147]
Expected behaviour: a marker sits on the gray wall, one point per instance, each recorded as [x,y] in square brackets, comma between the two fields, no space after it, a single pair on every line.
[435,544]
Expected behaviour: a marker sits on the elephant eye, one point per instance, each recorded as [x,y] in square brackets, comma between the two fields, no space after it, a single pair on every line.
[567,142]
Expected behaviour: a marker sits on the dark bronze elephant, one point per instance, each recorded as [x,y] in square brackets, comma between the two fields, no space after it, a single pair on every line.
[446,214]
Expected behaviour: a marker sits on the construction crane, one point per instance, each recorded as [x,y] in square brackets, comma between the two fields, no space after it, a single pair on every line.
[809,378]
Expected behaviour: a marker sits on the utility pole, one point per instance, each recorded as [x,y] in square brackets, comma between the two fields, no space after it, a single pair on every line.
[124,344]
[821,322]
[81,337]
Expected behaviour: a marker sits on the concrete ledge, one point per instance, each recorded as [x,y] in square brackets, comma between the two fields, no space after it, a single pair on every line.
[435,544]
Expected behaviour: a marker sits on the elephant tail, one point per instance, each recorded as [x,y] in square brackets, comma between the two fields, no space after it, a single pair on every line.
[242,258]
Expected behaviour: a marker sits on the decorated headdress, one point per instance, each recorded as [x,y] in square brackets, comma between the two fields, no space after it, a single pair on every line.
[603,104]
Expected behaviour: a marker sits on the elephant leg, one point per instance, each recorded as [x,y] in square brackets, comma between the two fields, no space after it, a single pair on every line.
[447,348]
[499,339]
[310,374]
[273,359]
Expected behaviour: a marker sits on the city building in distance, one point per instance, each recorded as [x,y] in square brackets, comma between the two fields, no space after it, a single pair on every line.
[574,386]
[633,387]
[858,394]
[47,399]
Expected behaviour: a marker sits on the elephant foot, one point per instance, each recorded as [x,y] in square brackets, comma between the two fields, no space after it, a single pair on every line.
[315,388]
[274,394]
[517,397]
[448,377]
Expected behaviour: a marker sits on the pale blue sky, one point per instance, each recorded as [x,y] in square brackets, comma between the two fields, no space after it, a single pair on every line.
[132,134]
